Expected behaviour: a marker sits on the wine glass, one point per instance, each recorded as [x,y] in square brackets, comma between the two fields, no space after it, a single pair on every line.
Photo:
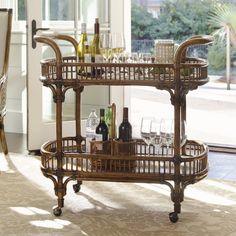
[183,131]
[106,46]
[145,57]
[118,45]
[134,57]
[145,131]
[167,133]
[155,134]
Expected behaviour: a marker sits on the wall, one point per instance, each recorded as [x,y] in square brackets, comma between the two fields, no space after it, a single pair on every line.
[15,120]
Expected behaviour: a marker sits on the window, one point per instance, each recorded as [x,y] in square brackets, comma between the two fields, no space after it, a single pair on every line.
[60,16]
[211,108]
[21,10]
[64,10]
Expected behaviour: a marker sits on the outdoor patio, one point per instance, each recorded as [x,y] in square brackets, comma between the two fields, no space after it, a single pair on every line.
[211,110]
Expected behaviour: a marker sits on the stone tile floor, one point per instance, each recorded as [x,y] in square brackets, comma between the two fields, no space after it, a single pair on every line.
[222,166]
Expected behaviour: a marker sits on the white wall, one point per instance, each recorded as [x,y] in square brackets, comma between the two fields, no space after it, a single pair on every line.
[15,120]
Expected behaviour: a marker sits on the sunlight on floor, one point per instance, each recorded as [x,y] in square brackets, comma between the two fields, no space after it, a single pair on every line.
[212,193]
[210,196]
[220,211]
[4,166]
[52,224]
[29,211]
[162,189]
[220,185]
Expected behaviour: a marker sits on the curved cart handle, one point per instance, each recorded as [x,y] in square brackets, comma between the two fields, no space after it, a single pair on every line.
[50,42]
[64,37]
[69,39]
[194,40]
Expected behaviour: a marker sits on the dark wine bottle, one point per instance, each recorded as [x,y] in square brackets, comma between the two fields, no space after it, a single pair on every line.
[102,127]
[125,128]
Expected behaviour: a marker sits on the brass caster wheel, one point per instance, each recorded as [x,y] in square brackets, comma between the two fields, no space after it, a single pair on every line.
[76,187]
[173,216]
[57,211]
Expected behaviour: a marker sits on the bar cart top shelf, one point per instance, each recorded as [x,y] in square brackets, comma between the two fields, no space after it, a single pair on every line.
[191,72]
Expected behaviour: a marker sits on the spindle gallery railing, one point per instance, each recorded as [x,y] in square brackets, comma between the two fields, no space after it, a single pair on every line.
[155,163]
[65,159]
[193,72]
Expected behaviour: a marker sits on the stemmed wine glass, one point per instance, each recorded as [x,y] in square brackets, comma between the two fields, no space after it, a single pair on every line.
[145,131]
[106,46]
[145,57]
[155,133]
[183,131]
[167,133]
[118,45]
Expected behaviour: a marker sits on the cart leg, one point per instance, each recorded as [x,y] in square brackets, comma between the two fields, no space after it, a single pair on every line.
[57,211]
[77,186]
[173,216]
[60,191]
[177,197]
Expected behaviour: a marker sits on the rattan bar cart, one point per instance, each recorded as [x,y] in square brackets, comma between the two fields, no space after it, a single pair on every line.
[65,159]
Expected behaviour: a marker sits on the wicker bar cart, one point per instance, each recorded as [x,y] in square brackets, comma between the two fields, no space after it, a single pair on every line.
[65,158]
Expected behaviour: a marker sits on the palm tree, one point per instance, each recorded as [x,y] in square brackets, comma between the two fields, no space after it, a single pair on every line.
[223,18]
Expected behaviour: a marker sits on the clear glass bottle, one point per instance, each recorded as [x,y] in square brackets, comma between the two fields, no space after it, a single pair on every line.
[91,125]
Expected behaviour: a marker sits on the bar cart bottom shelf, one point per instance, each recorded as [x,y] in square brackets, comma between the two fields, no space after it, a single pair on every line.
[141,165]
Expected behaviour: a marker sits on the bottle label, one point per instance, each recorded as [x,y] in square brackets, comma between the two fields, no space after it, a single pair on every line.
[87,59]
[98,58]
[97,71]
[99,146]
[88,145]
[90,135]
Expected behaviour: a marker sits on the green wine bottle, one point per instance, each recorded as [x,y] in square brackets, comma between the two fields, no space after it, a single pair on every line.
[95,46]
[102,127]
[95,50]
[81,45]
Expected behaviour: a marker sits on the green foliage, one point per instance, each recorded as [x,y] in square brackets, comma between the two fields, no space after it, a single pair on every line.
[217,56]
[143,25]
[220,16]
[184,18]
[223,14]
[178,19]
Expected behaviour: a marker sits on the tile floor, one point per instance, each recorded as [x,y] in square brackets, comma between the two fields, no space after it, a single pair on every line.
[222,166]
